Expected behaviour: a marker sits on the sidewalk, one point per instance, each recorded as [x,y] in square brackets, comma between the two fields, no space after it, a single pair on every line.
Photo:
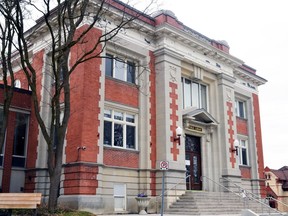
[170,215]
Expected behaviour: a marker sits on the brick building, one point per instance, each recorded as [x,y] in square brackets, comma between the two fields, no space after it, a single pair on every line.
[277,187]
[125,111]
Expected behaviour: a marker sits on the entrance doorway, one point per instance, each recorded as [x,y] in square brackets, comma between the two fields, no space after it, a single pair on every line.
[193,162]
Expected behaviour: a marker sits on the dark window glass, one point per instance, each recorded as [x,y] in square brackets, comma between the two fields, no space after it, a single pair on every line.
[107,133]
[203,97]
[130,118]
[196,173]
[18,161]
[109,65]
[107,113]
[118,116]
[19,145]
[130,72]
[55,138]
[241,109]
[130,137]
[244,157]
[118,135]
[192,143]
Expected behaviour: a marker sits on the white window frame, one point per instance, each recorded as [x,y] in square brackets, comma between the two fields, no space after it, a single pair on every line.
[237,108]
[199,95]
[17,83]
[123,122]
[123,61]
[243,144]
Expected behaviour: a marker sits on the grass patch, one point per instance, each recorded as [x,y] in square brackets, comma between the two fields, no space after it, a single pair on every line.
[42,211]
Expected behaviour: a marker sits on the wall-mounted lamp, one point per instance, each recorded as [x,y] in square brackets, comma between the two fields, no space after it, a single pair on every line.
[178,133]
[236,145]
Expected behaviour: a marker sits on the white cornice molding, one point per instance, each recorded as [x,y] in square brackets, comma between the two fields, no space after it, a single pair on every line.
[166,30]
[257,80]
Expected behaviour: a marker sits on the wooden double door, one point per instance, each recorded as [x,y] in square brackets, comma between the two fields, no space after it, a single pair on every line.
[193,162]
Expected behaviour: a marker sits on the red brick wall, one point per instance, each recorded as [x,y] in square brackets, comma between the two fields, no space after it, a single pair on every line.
[121,158]
[242,127]
[259,147]
[38,63]
[85,97]
[121,92]
[83,128]
[231,132]
[163,18]
[80,179]
[174,118]
[21,99]
[7,163]
[245,172]
[32,155]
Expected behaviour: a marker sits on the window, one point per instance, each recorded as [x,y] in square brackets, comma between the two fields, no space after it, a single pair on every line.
[20,139]
[243,152]
[119,129]
[17,83]
[240,109]
[194,94]
[120,69]
[55,132]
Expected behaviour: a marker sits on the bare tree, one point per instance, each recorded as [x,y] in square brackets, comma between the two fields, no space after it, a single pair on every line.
[62,24]
[6,34]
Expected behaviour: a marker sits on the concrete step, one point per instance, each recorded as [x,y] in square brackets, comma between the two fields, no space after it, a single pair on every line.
[211,203]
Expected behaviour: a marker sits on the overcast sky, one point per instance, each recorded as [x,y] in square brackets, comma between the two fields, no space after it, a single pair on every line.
[257,33]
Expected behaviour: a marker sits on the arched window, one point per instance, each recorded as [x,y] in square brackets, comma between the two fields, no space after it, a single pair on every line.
[17,83]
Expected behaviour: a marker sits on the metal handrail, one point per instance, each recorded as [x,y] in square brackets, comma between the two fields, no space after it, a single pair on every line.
[169,189]
[278,201]
[250,195]
[175,185]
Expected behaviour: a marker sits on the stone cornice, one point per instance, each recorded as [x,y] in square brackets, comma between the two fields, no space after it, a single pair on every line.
[249,76]
[202,46]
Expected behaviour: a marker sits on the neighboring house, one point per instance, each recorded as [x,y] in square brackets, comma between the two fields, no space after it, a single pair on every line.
[277,187]
[126,119]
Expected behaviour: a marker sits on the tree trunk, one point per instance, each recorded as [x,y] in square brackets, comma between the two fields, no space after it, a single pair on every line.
[54,188]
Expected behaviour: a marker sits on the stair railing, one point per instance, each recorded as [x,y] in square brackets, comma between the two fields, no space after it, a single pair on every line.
[247,196]
[277,201]
[171,188]
[175,185]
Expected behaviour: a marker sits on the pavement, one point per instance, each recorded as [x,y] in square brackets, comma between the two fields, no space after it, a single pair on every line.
[168,215]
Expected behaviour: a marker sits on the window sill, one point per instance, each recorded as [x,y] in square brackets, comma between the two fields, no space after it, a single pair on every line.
[245,166]
[242,118]
[120,149]
[122,81]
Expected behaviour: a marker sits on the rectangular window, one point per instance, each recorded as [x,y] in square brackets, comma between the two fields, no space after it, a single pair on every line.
[109,65]
[20,140]
[119,129]
[240,109]
[120,69]
[194,94]
[243,152]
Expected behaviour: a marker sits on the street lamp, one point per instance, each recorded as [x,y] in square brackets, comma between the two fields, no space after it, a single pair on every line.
[179,132]
[236,145]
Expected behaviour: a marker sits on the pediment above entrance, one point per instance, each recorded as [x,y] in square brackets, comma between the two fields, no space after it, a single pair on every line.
[199,115]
